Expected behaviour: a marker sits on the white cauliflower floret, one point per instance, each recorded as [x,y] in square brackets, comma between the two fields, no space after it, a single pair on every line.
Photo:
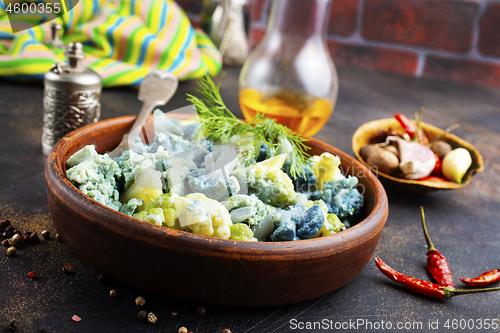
[204,216]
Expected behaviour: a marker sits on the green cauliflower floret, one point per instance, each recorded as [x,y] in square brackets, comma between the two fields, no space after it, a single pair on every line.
[271,185]
[247,208]
[242,232]
[163,205]
[153,215]
[95,176]
[203,216]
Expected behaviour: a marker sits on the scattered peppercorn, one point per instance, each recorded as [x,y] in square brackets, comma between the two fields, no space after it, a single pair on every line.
[152,318]
[200,311]
[35,238]
[11,251]
[46,234]
[183,330]
[4,224]
[58,238]
[226,330]
[16,239]
[5,242]
[67,268]
[142,315]
[31,238]
[9,232]
[101,278]
[112,293]
[32,274]
[140,301]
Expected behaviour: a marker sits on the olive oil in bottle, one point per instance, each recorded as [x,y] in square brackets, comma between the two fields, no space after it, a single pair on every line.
[300,112]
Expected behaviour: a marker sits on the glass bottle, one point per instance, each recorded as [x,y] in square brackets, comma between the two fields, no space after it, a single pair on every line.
[290,75]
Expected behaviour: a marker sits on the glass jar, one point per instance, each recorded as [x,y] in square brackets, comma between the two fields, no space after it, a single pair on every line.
[290,75]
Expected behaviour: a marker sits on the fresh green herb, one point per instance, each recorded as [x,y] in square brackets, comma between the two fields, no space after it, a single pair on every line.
[217,121]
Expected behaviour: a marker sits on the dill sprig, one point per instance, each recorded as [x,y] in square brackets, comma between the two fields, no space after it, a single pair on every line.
[219,123]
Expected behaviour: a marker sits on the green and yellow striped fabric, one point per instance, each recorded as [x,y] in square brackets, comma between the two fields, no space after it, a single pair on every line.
[122,39]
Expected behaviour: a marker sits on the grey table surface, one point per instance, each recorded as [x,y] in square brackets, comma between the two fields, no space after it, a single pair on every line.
[464,225]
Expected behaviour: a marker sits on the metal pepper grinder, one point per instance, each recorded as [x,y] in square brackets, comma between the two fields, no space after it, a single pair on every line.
[71,99]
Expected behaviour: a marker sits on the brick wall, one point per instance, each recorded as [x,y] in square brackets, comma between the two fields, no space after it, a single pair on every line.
[446,39]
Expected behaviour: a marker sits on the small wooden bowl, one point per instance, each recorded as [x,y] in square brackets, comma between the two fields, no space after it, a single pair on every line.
[203,269]
[368,131]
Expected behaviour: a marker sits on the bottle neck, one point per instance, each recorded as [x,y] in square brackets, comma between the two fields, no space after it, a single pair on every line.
[302,18]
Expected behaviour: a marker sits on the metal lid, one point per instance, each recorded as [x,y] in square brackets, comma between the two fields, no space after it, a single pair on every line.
[74,76]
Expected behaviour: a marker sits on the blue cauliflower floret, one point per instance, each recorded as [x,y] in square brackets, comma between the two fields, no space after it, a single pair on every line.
[311,222]
[304,183]
[285,230]
[263,152]
[342,198]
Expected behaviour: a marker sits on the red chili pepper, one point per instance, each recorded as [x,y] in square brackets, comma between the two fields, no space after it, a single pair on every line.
[411,128]
[437,172]
[436,262]
[484,279]
[407,124]
[432,179]
[423,287]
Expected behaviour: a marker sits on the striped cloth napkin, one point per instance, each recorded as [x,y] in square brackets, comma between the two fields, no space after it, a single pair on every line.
[122,39]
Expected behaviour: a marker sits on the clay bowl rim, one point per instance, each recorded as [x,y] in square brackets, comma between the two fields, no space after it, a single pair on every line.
[416,185]
[123,224]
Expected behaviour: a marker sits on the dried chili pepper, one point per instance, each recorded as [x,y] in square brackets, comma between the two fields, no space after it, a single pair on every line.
[415,132]
[407,124]
[484,279]
[436,262]
[423,287]
[432,179]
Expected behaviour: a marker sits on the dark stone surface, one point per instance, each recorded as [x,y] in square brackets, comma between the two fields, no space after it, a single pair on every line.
[462,223]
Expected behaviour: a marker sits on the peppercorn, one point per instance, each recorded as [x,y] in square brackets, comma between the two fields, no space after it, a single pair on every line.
[58,238]
[142,315]
[4,224]
[15,240]
[183,330]
[200,311]
[8,232]
[140,301]
[11,251]
[34,238]
[46,234]
[152,318]
[67,268]
[101,278]
[5,242]
[226,330]
[32,274]
[112,293]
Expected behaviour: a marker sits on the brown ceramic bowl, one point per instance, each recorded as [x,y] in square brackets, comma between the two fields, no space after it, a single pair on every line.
[368,131]
[203,269]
